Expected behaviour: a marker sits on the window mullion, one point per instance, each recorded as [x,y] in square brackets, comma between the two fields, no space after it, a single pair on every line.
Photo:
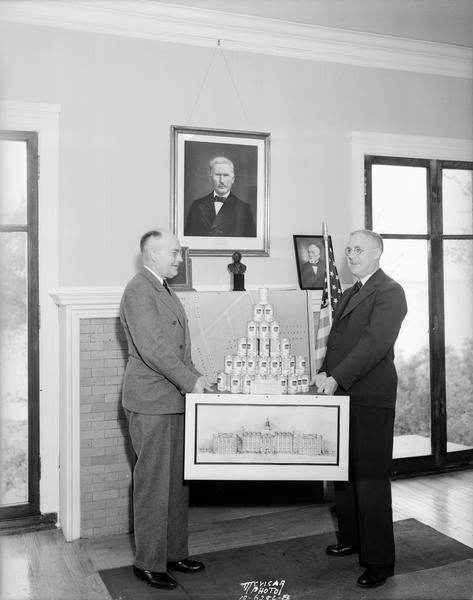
[436,316]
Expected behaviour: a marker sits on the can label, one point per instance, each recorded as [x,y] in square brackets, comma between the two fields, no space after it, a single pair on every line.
[268,312]
[275,330]
[251,346]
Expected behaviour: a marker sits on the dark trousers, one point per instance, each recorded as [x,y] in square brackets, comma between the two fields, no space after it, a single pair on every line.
[160,498]
[363,504]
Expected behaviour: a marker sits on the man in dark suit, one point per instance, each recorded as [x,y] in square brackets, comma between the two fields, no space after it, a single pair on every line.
[360,363]
[220,213]
[313,270]
[158,374]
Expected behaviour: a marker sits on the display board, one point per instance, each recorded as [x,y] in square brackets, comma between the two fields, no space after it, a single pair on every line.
[218,319]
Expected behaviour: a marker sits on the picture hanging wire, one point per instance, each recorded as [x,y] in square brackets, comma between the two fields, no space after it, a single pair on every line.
[218,47]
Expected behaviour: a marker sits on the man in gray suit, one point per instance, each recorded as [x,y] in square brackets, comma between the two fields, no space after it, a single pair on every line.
[159,372]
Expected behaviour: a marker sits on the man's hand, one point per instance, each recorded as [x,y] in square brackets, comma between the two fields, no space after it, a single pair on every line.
[327,386]
[201,385]
[318,379]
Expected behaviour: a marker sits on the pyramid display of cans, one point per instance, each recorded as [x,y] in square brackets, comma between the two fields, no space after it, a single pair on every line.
[264,363]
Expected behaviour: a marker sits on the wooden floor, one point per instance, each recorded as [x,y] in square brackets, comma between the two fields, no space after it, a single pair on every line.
[42,566]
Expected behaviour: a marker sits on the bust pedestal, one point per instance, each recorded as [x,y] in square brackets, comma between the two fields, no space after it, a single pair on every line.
[238,282]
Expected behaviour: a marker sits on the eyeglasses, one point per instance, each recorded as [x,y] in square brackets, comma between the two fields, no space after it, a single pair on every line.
[176,253]
[356,250]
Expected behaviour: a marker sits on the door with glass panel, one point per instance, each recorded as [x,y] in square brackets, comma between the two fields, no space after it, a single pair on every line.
[19,335]
[424,211]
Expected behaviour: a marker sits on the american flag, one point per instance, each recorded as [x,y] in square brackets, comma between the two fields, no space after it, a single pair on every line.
[326,309]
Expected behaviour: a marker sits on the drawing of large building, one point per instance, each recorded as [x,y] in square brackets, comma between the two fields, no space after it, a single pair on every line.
[269,441]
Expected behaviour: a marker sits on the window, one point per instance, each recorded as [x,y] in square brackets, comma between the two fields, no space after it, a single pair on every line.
[19,339]
[424,211]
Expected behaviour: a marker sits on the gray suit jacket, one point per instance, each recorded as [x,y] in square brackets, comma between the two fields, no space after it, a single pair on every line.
[159,370]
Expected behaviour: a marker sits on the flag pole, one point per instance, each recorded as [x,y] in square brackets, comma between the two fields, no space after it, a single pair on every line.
[327,273]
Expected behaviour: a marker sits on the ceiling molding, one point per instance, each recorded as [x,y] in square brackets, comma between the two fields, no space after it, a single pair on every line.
[148,19]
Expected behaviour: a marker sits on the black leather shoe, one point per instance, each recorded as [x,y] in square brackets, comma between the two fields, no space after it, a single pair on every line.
[186,565]
[341,550]
[158,580]
[374,576]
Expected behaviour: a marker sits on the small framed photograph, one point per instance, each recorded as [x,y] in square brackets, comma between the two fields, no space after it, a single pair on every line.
[220,191]
[310,261]
[273,437]
[183,280]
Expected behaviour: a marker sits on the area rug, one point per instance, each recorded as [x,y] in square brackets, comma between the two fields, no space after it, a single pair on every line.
[429,566]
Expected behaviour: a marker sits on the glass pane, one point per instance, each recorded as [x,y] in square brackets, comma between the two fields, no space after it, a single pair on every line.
[457,201]
[406,262]
[397,192]
[13,182]
[458,278]
[13,369]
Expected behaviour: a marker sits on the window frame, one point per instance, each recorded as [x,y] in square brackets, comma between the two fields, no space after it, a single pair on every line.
[32,506]
[439,459]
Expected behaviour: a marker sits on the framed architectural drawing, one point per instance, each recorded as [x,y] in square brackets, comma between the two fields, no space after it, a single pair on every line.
[273,437]
[220,191]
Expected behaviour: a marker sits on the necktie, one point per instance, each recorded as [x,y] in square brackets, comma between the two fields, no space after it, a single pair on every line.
[357,287]
[165,283]
[219,199]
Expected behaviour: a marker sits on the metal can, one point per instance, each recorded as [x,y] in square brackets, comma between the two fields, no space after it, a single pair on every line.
[274,329]
[304,383]
[241,346]
[221,382]
[235,384]
[274,346]
[251,346]
[292,384]
[251,329]
[301,364]
[275,366]
[228,364]
[285,346]
[268,312]
[246,384]
[283,384]
[237,365]
[263,295]
[251,364]
[263,365]
[292,363]
[264,347]
[263,329]
[258,312]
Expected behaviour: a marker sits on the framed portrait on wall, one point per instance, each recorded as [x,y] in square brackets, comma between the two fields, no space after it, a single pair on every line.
[220,191]
[310,261]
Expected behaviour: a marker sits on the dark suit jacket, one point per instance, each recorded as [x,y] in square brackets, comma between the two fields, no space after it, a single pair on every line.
[360,347]
[309,279]
[159,370]
[234,219]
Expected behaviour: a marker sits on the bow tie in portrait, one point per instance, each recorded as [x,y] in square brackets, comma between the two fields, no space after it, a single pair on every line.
[219,198]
